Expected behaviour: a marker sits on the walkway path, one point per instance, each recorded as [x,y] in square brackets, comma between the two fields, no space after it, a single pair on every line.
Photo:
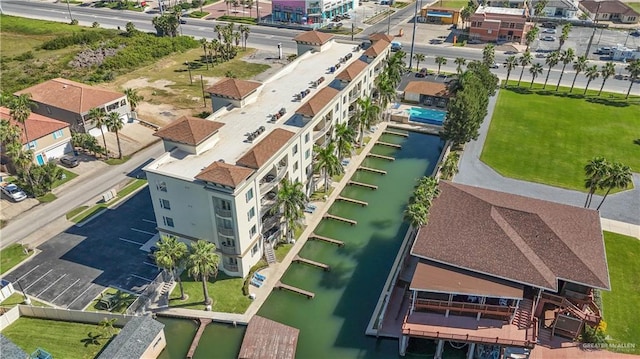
[621,207]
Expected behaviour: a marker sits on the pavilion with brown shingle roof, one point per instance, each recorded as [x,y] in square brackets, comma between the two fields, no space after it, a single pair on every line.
[377,48]
[189,130]
[233,88]
[268,339]
[225,174]
[352,71]
[317,102]
[313,37]
[381,36]
[260,154]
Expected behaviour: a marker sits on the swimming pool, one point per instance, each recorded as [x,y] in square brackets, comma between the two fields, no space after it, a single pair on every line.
[426,115]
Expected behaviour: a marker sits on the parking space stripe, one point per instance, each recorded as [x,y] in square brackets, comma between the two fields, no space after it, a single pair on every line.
[69,287]
[149,221]
[80,296]
[130,241]
[26,274]
[141,231]
[51,285]
[37,280]
[150,264]
[143,278]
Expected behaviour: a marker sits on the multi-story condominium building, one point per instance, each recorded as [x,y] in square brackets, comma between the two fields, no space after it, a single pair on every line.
[499,24]
[310,11]
[219,176]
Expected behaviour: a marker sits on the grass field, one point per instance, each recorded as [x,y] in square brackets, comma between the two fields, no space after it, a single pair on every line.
[225,291]
[621,303]
[282,251]
[634,5]
[548,138]
[17,298]
[124,301]
[456,4]
[12,256]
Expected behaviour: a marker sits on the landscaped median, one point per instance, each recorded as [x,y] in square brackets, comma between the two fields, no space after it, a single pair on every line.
[83,213]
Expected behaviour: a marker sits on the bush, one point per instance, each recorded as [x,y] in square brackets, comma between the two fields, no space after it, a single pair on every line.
[24,56]
[74,22]
[145,48]
[595,335]
[255,268]
[204,114]
[85,37]
[95,25]
[198,14]
[185,6]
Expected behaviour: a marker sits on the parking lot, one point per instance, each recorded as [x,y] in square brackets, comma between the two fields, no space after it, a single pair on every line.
[75,266]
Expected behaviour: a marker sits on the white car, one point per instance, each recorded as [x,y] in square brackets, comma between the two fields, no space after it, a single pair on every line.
[495,65]
[548,38]
[12,191]
[549,31]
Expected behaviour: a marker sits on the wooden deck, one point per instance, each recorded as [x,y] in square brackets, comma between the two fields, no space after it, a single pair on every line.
[403,134]
[388,144]
[194,344]
[298,259]
[290,288]
[374,170]
[326,239]
[268,339]
[356,201]
[366,185]
[342,219]
[389,158]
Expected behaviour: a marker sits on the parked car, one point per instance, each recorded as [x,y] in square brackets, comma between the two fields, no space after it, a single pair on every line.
[69,161]
[474,41]
[396,46]
[511,52]
[183,21]
[495,65]
[346,16]
[339,25]
[604,51]
[548,38]
[549,25]
[549,31]
[422,73]
[541,55]
[12,191]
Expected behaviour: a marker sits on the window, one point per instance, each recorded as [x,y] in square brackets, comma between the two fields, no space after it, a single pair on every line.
[307,137]
[168,221]
[161,186]
[251,213]
[113,106]
[249,195]
[165,204]
[344,100]
[307,153]
[337,106]
[33,144]
[254,250]
[48,110]
[252,231]
[295,149]
[295,166]
[225,205]
[123,102]
[58,134]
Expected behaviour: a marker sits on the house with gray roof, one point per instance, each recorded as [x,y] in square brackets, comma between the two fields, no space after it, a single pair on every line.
[141,337]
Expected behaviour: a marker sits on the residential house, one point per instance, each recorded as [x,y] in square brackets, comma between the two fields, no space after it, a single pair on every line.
[499,24]
[310,11]
[565,9]
[503,272]
[429,93]
[610,10]
[219,177]
[49,139]
[70,101]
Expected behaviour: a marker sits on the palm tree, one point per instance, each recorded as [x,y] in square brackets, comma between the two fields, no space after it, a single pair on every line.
[634,72]
[525,60]
[98,117]
[531,36]
[394,66]
[460,61]
[228,3]
[416,214]
[535,71]
[290,203]
[608,70]
[426,190]
[367,114]
[20,110]
[205,47]
[440,61]
[203,263]
[450,166]
[489,54]
[510,64]
[327,162]
[115,124]
[386,91]
[592,73]
[245,31]
[171,256]
[566,57]
[134,98]
[551,61]
[344,138]
[465,14]
[579,65]
[566,28]
[419,58]
[619,177]
[596,171]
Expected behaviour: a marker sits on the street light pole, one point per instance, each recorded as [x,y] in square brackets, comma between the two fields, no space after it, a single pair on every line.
[27,301]
[69,8]
[389,20]
[413,36]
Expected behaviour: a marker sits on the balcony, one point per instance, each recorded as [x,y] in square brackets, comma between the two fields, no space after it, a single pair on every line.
[230,267]
[228,249]
[224,213]
[227,232]
[503,312]
[323,131]
[271,180]
[269,222]
[266,205]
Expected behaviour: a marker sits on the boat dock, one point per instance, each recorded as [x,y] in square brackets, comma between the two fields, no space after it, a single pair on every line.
[306,293]
[298,259]
[342,219]
[388,144]
[381,156]
[326,239]
[403,134]
[366,185]
[356,201]
[194,344]
[374,170]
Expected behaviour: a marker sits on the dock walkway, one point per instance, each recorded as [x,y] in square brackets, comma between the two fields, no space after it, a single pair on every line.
[299,259]
[326,239]
[375,155]
[194,344]
[388,144]
[342,219]
[390,132]
[290,288]
[352,200]
[374,170]
[366,185]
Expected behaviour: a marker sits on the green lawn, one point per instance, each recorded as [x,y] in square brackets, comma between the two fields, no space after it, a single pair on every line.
[61,339]
[548,138]
[457,4]
[282,250]
[12,256]
[225,291]
[621,303]
[125,300]
[634,5]
[17,298]
[68,176]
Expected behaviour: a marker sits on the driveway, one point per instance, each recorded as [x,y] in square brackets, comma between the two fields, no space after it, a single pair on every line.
[75,266]
[622,206]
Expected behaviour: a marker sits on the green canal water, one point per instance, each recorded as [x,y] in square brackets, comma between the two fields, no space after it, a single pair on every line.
[332,324]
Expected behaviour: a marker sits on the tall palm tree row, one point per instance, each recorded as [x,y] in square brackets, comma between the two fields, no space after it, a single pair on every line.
[619,177]
[489,54]
[419,58]
[134,98]
[579,65]
[608,70]
[20,110]
[440,60]
[290,203]
[327,162]
[114,124]
[596,170]
[203,264]
[525,60]
[510,65]
[172,256]
[98,117]
[386,91]
[460,61]
[417,212]
[566,57]
[535,70]
[592,73]
[551,61]
[634,71]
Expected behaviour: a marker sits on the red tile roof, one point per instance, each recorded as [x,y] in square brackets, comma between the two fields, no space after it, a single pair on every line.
[233,88]
[351,71]
[313,37]
[70,95]
[609,7]
[259,154]
[189,130]
[377,48]
[317,102]
[37,126]
[512,237]
[225,174]
[381,36]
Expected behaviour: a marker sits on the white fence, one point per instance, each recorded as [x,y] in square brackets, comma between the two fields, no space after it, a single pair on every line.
[65,315]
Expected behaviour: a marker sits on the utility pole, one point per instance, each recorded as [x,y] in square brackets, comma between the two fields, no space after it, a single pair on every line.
[69,8]
[593,34]
[389,22]
[413,36]
[204,98]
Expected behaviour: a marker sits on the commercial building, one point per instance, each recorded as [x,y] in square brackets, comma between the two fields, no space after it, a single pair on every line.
[610,10]
[219,177]
[562,9]
[499,24]
[310,11]
[439,15]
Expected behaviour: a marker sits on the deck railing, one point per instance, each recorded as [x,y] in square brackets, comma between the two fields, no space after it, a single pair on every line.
[499,310]
[467,338]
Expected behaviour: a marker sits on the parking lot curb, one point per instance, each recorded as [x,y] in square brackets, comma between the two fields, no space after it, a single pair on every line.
[112,206]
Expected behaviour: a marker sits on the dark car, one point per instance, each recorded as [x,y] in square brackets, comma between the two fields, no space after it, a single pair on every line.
[422,73]
[69,161]
[152,254]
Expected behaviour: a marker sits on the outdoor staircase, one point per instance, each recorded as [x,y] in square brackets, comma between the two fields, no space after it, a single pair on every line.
[269,254]
[522,316]
[165,291]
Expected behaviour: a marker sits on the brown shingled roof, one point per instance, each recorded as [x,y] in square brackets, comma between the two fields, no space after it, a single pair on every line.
[608,7]
[224,174]
[233,88]
[268,339]
[377,48]
[37,126]
[317,102]
[381,36]
[313,37]
[189,130]
[428,88]
[259,154]
[513,237]
[351,71]
[70,95]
